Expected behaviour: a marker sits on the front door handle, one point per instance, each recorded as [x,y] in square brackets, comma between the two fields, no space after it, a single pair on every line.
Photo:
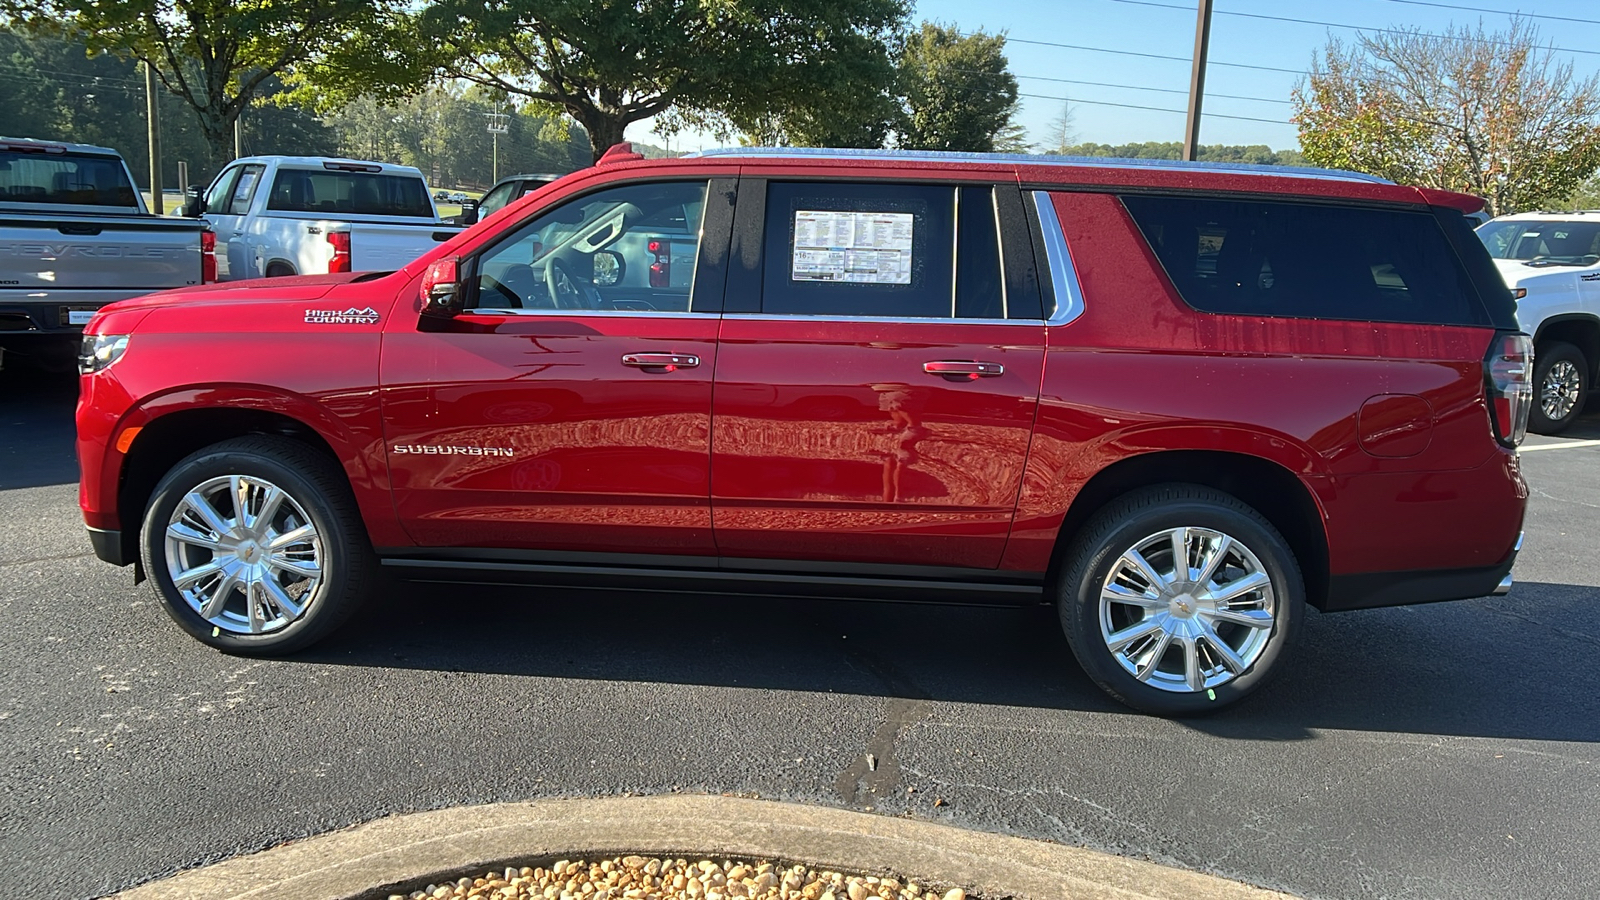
[665,361]
[963,369]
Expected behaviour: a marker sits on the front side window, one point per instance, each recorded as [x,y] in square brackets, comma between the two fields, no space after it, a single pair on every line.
[222,190]
[628,249]
[74,178]
[1306,260]
[496,198]
[244,190]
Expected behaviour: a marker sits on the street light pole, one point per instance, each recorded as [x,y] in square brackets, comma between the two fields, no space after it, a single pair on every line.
[1197,80]
[153,112]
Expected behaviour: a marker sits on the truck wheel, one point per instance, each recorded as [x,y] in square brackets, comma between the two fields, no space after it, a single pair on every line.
[254,546]
[1179,599]
[1560,387]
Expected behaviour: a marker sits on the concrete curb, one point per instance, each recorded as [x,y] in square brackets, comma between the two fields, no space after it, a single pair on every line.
[369,859]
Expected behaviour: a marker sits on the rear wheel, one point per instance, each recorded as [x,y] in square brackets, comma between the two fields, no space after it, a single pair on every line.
[1179,599]
[1560,387]
[254,546]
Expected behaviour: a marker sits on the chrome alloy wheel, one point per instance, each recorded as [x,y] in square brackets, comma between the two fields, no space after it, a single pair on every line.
[243,554]
[1558,393]
[1187,609]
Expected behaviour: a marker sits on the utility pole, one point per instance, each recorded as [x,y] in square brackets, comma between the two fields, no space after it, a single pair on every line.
[153,113]
[238,135]
[1197,81]
[499,123]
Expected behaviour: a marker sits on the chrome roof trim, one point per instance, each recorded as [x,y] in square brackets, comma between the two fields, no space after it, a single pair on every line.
[1028,159]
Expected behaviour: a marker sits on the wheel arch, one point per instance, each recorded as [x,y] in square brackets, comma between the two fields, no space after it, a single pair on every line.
[1266,486]
[172,429]
[1579,330]
[279,263]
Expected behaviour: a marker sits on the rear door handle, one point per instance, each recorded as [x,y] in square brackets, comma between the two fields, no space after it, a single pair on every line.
[668,361]
[963,369]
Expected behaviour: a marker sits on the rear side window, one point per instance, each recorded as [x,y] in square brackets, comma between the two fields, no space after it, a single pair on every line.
[81,179]
[349,193]
[881,250]
[1303,260]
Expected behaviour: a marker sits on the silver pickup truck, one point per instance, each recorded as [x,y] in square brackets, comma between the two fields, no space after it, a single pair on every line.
[74,236]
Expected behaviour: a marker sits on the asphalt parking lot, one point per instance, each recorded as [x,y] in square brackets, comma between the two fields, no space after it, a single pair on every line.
[1445,751]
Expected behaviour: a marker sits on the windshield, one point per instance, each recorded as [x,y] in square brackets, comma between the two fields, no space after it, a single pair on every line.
[1551,242]
[74,178]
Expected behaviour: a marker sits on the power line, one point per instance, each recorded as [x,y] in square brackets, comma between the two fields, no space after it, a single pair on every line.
[1499,12]
[1152,108]
[1017,40]
[1445,37]
[1108,84]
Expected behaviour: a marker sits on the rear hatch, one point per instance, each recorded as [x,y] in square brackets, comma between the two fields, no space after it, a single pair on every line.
[129,254]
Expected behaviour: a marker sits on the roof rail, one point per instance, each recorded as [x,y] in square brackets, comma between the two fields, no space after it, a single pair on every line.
[1101,162]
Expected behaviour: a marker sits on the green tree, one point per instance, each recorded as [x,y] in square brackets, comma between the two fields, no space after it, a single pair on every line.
[1254,154]
[1487,113]
[1061,133]
[958,92]
[732,65]
[217,56]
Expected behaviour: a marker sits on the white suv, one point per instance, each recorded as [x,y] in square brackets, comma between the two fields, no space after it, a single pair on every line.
[1551,262]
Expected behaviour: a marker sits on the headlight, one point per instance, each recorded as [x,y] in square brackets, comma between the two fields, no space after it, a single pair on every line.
[99,351]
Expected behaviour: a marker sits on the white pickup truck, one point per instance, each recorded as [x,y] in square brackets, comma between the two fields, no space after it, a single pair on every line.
[309,215]
[1551,262]
[74,236]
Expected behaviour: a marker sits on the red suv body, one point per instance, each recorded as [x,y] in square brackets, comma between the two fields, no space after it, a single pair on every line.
[1179,401]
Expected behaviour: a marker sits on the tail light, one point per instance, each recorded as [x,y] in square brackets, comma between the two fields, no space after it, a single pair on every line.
[341,251]
[1508,381]
[208,257]
[661,267]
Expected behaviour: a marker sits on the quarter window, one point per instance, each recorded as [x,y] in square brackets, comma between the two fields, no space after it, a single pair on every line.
[1303,260]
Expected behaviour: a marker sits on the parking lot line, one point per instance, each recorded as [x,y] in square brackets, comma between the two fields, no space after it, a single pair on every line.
[1565,445]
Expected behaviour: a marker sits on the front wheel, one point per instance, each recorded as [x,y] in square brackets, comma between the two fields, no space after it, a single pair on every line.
[1180,600]
[1560,384]
[254,546]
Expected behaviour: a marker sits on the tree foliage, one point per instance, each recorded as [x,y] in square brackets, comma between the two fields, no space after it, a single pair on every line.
[216,55]
[959,94]
[808,67]
[1486,113]
[1061,134]
[1251,154]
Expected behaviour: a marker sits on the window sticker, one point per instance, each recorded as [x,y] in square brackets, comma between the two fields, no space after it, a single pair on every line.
[853,247]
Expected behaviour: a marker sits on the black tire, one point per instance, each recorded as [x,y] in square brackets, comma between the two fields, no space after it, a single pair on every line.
[1127,524]
[316,488]
[1569,386]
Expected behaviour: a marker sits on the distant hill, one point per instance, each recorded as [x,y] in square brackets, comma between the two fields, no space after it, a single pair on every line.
[1254,154]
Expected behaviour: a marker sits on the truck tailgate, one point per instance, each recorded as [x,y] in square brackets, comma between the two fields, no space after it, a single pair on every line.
[125,255]
[383,247]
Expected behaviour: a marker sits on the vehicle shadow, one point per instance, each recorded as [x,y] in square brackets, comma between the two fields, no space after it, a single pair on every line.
[1480,668]
[37,433]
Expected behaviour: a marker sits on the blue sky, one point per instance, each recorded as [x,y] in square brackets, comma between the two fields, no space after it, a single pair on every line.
[1151,27]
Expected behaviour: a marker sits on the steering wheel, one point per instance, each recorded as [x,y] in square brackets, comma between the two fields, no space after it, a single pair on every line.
[516,287]
[568,291]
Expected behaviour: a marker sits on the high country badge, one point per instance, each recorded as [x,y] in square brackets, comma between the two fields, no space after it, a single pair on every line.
[351,316]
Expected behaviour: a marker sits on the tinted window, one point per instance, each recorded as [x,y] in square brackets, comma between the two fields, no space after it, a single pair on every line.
[859,250]
[349,193]
[1551,242]
[631,248]
[1302,260]
[89,180]
[980,290]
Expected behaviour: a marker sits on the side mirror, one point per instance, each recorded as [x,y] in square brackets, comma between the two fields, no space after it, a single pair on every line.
[469,212]
[608,268]
[442,294]
[194,204]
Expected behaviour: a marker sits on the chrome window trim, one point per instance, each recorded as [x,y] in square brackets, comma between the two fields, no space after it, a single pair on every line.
[1058,256]
[1073,162]
[774,317]
[579,313]
[955,247]
[1000,248]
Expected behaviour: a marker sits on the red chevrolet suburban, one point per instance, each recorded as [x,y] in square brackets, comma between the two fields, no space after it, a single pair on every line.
[1180,402]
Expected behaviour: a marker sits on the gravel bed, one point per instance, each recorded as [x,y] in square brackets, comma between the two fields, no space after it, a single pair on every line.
[648,878]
